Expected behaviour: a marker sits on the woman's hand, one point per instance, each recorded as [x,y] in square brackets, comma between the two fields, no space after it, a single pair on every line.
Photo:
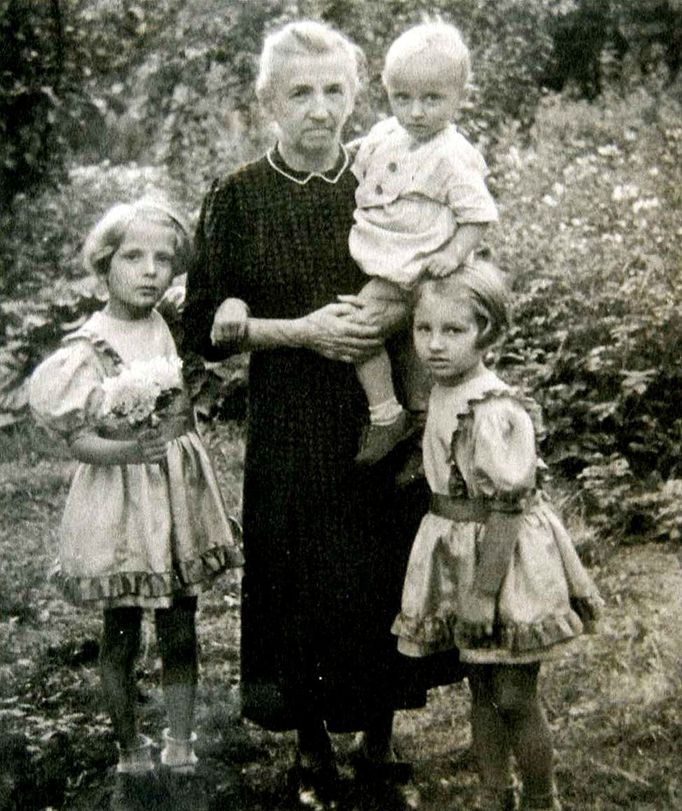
[230,322]
[339,331]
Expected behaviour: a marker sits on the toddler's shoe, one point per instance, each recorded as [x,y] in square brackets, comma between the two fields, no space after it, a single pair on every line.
[379,440]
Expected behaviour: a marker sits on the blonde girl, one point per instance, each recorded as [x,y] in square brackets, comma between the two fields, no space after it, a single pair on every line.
[492,570]
[144,524]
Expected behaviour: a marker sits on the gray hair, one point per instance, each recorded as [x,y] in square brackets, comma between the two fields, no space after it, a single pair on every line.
[303,38]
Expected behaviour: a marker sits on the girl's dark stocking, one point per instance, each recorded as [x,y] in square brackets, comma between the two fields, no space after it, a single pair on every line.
[177,638]
[120,646]
[491,742]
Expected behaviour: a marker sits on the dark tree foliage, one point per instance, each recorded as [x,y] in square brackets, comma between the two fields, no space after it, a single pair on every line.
[31,72]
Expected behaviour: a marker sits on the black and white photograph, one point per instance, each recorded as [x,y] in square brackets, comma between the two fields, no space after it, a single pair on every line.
[340,405]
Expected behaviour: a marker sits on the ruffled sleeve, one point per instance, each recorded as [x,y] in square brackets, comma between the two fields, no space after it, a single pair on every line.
[503,449]
[65,390]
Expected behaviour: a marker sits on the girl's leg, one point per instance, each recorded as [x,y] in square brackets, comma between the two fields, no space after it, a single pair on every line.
[516,689]
[491,743]
[177,638]
[119,649]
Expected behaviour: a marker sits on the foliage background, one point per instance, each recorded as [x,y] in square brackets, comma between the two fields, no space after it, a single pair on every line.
[112,98]
[108,99]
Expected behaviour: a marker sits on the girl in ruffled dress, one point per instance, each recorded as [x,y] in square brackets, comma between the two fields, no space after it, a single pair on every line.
[144,524]
[492,570]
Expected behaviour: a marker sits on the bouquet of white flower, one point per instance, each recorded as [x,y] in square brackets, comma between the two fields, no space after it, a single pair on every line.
[141,390]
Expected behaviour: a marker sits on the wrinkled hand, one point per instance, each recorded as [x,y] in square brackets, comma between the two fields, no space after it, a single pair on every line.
[172,302]
[338,332]
[152,446]
[230,322]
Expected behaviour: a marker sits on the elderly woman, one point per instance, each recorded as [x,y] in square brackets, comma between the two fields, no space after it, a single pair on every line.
[326,542]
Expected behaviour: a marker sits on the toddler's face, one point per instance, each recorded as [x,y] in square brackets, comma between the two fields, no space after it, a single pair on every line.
[422,94]
[141,269]
[446,334]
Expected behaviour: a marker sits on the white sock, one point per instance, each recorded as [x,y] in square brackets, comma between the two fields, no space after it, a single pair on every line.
[385,413]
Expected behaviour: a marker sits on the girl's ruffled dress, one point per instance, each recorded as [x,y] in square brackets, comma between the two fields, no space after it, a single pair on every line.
[141,534]
[492,570]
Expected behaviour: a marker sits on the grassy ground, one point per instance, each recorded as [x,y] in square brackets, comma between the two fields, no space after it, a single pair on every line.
[613,701]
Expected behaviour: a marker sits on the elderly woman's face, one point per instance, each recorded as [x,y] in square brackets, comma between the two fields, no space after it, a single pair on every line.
[310,101]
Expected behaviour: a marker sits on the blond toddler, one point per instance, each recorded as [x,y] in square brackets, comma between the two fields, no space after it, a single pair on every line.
[422,205]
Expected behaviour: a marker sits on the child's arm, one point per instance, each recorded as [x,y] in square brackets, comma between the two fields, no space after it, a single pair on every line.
[230,322]
[148,448]
[446,261]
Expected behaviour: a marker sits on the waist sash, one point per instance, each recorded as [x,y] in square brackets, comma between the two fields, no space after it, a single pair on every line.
[502,524]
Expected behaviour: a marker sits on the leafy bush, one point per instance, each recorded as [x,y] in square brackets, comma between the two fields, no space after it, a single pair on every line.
[588,194]
[588,209]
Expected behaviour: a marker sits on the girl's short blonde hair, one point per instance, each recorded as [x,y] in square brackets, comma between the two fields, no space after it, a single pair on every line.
[487,289]
[425,41]
[108,233]
[305,38]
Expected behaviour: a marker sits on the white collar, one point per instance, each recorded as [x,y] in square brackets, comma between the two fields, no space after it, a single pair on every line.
[273,154]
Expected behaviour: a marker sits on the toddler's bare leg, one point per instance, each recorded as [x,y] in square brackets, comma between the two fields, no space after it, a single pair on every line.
[376,380]
[375,374]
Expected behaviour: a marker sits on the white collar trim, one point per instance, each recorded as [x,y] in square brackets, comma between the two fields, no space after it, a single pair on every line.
[303,180]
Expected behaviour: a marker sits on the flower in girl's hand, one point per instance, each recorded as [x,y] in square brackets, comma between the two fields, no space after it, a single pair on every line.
[141,390]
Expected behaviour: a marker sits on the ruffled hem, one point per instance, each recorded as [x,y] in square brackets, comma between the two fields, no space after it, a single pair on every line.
[425,635]
[521,638]
[148,586]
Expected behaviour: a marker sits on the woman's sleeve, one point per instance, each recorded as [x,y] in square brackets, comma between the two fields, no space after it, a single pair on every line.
[208,276]
[65,390]
[503,449]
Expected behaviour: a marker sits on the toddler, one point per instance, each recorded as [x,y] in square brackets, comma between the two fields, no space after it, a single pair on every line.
[422,204]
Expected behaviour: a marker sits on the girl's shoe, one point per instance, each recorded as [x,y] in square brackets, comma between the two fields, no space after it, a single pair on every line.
[136,759]
[178,754]
[501,799]
[541,802]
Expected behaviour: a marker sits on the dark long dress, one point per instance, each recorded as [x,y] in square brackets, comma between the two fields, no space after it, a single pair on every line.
[326,544]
